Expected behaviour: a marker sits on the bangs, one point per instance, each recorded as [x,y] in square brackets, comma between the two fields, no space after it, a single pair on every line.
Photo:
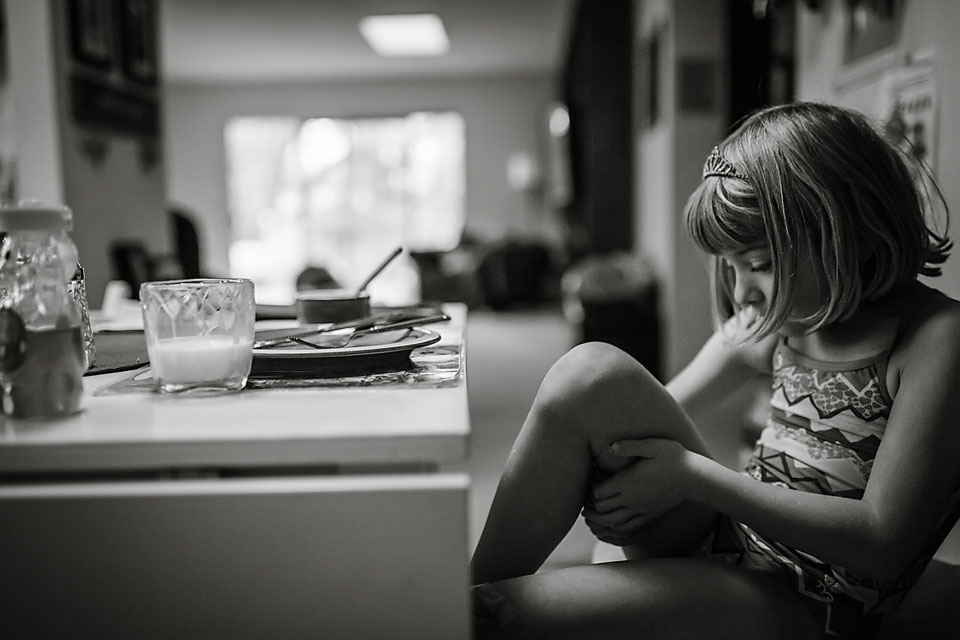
[723,218]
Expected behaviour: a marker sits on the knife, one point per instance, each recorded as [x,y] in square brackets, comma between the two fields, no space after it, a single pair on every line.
[372,324]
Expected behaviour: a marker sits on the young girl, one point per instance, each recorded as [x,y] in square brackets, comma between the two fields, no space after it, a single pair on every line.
[819,230]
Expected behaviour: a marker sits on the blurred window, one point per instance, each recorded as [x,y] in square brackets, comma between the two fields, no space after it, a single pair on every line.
[341,194]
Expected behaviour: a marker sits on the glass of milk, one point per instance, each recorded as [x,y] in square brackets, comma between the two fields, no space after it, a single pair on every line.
[199,333]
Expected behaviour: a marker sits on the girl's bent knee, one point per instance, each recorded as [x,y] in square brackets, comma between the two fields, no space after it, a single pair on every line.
[594,385]
[594,366]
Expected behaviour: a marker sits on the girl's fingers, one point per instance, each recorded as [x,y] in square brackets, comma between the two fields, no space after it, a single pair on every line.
[606,534]
[632,525]
[606,505]
[618,535]
[615,519]
[607,489]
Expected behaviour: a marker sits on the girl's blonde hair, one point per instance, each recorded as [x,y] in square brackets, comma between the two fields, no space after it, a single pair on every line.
[819,182]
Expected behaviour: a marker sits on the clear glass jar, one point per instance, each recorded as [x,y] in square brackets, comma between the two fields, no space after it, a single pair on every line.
[42,357]
[78,289]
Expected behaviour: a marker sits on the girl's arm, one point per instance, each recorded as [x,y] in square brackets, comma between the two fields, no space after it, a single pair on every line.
[722,365]
[913,475]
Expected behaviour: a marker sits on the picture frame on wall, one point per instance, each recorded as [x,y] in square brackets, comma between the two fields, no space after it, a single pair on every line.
[138,36]
[909,108]
[91,32]
[871,27]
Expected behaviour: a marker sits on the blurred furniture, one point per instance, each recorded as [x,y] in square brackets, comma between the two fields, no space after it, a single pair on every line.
[186,242]
[133,263]
[614,298]
[514,272]
[300,557]
[386,428]
[258,514]
[449,275]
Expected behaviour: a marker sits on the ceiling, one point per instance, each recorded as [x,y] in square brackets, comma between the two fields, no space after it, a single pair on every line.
[212,41]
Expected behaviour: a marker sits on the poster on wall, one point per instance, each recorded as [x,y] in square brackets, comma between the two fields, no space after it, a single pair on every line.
[910,106]
[113,81]
[91,32]
[139,40]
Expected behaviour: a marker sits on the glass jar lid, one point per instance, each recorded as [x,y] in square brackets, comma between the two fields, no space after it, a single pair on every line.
[35,217]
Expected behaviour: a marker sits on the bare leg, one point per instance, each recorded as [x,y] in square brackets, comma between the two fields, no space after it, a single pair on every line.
[593,396]
[655,598]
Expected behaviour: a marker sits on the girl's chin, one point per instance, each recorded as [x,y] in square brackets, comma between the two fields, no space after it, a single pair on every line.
[793,329]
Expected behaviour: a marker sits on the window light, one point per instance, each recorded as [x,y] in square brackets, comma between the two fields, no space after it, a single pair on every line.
[415,34]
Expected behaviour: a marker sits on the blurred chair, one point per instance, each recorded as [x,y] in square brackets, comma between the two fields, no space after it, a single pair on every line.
[449,276]
[514,273]
[186,242]
[131,263]
[134,264]
[614,298]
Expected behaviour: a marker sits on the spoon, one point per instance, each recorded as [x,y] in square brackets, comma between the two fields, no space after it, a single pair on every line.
[376,272]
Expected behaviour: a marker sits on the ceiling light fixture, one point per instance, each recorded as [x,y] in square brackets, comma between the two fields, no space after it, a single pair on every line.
[414,34]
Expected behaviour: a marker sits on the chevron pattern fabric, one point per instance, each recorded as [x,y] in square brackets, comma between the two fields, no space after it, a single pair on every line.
[825,426]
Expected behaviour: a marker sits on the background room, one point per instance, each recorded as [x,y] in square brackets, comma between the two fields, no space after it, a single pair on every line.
[535,171]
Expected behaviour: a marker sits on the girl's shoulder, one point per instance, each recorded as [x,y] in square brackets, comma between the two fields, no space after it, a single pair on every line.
[929,332]
[929,315]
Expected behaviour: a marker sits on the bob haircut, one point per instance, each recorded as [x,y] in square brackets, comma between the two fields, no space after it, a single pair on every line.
[818,183]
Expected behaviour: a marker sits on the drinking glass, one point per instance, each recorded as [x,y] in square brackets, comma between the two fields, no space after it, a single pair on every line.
[199,333]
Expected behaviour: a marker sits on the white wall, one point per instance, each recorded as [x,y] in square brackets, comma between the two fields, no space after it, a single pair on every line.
[502,115]
[32,79]
[116,198]
[671,154]
[930,25]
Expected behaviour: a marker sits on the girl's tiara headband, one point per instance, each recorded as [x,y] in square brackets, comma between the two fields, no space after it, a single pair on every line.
[717,165]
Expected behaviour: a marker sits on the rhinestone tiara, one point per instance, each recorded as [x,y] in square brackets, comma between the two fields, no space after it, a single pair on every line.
[716,165]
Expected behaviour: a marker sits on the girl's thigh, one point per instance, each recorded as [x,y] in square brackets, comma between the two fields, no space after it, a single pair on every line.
[647,599]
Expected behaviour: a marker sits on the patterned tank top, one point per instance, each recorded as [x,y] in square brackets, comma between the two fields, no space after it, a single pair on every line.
[826,423]
[825,426]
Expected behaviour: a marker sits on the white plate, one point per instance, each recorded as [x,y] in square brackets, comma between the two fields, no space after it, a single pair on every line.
[365,354]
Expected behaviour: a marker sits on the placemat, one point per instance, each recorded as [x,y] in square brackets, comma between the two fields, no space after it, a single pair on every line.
[431,367]
[118,351]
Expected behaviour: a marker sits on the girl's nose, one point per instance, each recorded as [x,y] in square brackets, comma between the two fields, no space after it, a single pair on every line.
[746,291]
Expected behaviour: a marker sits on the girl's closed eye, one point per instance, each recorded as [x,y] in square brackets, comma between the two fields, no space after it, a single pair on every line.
[754,261]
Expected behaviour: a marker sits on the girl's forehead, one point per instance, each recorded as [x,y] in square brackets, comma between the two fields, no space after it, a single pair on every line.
[746,251]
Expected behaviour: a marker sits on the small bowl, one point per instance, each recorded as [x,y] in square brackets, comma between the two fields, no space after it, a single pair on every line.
[322,306]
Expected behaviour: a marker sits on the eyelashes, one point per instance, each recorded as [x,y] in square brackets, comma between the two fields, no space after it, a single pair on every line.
[753,266]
